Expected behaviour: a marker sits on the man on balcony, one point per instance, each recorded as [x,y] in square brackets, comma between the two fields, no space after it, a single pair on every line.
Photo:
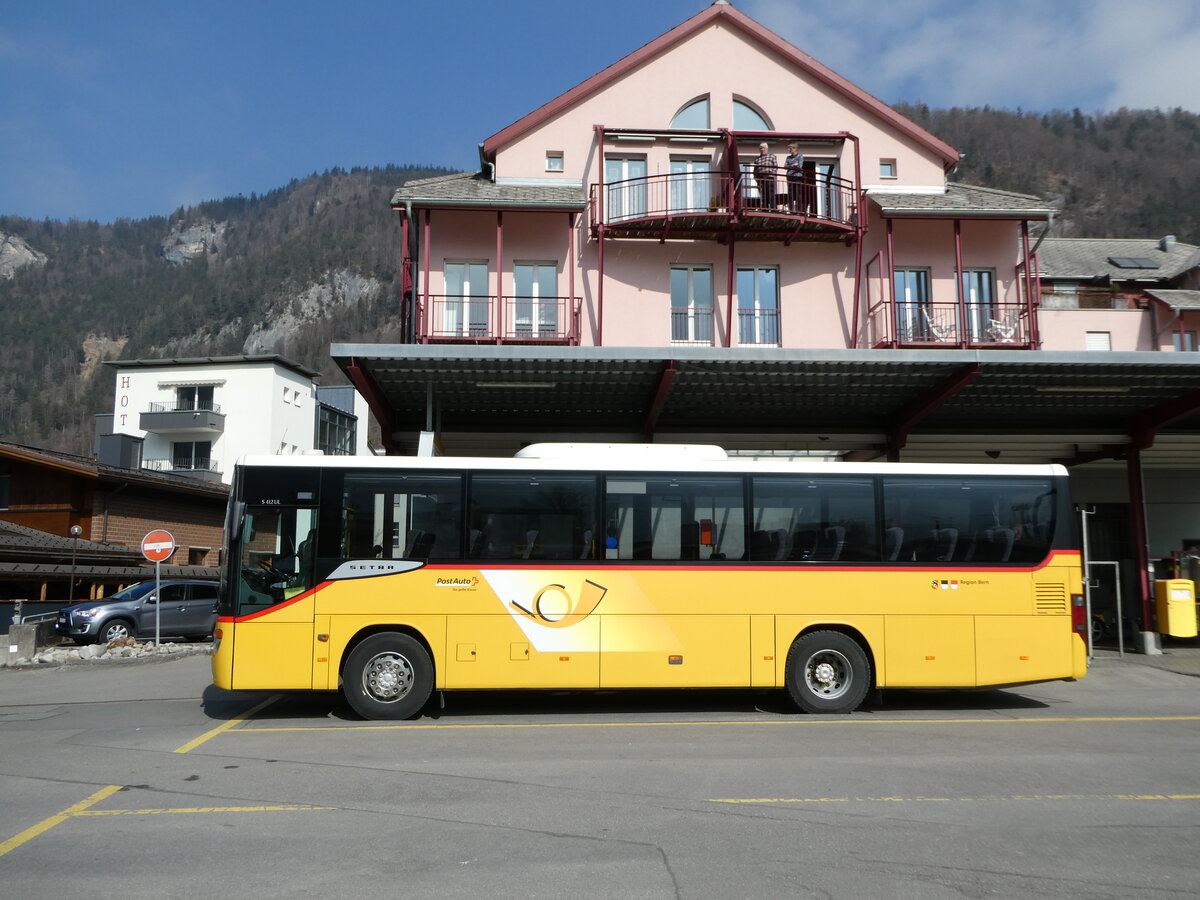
[764,176]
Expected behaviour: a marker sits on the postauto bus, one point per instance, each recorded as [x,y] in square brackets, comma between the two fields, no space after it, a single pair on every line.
[644,566]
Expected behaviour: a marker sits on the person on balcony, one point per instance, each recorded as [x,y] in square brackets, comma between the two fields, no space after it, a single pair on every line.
[764,176]
[794,164]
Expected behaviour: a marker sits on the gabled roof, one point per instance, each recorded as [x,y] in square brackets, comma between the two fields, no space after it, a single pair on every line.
[91,469]
[725,13]
[962,200]
[1092,258]
[476,189]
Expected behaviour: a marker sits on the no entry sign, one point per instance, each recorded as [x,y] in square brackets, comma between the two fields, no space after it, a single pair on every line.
[158,545]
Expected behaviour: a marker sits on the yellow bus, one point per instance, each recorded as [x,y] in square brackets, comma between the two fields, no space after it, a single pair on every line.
[644,566]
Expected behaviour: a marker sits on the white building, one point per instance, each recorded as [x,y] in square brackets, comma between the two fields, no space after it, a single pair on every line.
[198,416]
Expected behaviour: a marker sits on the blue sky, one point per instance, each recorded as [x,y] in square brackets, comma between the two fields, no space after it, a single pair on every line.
[131,108]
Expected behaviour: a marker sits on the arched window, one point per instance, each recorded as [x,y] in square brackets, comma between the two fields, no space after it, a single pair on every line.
[747,118]
[692,115]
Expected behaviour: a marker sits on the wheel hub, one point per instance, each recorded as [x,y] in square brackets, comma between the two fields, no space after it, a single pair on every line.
[824,674]
[388,676]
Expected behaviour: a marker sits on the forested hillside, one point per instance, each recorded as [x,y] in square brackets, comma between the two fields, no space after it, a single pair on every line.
[316,261]
[1131,173]
[320,254]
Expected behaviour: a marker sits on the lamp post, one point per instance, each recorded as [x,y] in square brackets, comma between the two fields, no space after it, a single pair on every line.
[76,531]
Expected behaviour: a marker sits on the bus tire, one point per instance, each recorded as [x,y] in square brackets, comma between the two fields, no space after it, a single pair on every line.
[827,672]
[388,676]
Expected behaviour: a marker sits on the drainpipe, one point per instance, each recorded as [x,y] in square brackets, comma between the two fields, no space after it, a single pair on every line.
[108,497]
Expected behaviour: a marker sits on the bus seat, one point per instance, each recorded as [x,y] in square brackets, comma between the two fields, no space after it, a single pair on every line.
[893,540]
[999,544]
[945,540]
[530,540]
[830,543]
[782,539]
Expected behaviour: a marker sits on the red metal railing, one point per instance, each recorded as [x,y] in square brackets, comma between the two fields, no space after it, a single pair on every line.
[487,319]
[659,198]
[949,324]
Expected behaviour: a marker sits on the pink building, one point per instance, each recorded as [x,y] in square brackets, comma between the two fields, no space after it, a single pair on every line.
[637,209]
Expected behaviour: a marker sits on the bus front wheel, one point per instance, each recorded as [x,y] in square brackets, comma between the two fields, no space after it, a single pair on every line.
[827,672]
[388,676]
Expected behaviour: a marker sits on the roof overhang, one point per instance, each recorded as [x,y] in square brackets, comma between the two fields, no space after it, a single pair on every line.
[490,400]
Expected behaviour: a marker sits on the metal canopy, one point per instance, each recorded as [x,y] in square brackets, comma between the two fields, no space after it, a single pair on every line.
[1036,405]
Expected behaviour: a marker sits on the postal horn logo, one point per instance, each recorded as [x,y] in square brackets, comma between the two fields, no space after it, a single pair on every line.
[554,607]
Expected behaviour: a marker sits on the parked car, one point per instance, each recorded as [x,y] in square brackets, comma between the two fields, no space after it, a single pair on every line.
[188,609]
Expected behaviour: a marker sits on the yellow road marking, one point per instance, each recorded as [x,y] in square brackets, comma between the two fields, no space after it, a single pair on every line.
[196,809]
[794,721]
[225,726]
[46,824]
[1014,797]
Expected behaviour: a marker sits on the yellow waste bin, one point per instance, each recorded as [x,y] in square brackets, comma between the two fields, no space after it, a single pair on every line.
[1175,599]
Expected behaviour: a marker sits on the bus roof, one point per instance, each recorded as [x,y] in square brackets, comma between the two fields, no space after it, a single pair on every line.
[636,458]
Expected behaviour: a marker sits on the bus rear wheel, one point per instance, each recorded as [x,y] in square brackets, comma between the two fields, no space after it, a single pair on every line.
[388,676]
[827,672]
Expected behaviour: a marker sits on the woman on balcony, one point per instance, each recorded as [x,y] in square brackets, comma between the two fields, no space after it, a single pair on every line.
[794,164]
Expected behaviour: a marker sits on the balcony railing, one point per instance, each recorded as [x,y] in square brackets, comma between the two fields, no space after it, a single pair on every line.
[758,326]
[950,325]
[199,465]
[503,320]
[692,325]
[175,406]
[711,204]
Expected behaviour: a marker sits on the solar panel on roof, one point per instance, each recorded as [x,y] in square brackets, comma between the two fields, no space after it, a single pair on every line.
[1133,262]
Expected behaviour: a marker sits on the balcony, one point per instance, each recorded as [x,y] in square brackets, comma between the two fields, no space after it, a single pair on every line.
[443,318]
[202,468]
[950,325]
[170,418]
[717,205]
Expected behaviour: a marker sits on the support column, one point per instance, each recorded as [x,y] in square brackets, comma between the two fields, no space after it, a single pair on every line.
[1151,643]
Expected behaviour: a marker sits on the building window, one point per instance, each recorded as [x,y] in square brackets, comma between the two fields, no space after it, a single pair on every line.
[554,161]
[335,431]
[196,555]
[758,305]
[467,304]
[189,455]
[747,118]
[194,397]
[625,196]
[691,184]
[1098,340]
[887,168]
[914,315]
[693,115]
[984,321]
[1185,340]
[691,305]
[534,310]
[5,485]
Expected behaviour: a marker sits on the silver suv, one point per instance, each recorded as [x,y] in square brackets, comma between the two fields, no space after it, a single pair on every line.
[188,609]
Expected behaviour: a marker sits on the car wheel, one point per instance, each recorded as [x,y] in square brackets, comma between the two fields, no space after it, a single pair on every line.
[827,672]
[115,630]
[388,676]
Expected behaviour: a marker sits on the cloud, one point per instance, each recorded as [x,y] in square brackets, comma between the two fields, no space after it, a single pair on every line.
[1022,53]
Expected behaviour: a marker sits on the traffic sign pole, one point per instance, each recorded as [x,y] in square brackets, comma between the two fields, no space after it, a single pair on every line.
[157,598]
[156,546]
